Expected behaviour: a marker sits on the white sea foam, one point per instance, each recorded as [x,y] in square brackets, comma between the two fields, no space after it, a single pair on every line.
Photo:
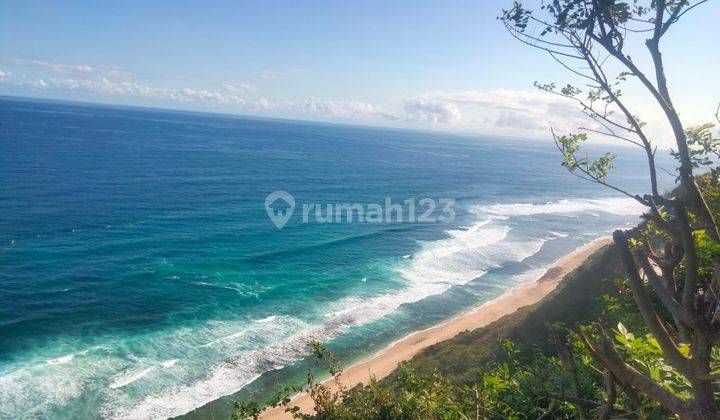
[266,320]
[219,286]
[60,360]
[31,389]
[69,357]
[530,275]
[467,255]
[225,338]
[126,378]
[230,375]
[29,392]
[169,363]
[623,206]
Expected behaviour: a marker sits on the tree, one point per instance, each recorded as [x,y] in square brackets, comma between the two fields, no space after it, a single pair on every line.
[673,261]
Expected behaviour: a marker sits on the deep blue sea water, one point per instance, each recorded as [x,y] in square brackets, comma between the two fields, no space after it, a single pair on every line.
[140,275]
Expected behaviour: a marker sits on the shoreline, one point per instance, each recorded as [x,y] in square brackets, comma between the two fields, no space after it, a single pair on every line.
[384,362]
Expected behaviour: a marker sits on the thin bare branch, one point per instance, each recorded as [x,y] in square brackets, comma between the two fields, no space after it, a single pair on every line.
[531,41]
[675,17]
[612,134]
[570,69]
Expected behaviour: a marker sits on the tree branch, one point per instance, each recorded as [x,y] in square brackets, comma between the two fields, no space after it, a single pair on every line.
[655,325]
[605,353]
[586,175]
[610,396]
[570,368]
[675,309]
[691,260]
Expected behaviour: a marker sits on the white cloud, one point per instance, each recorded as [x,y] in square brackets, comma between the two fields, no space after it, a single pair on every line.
[105,87]
[67,69]
[270,74]
[432,111]
[338,108]
[239,88]
[533,113]
[516,120]
[499,111]
[504,108]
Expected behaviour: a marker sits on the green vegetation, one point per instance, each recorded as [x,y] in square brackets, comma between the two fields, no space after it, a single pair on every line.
[648,347]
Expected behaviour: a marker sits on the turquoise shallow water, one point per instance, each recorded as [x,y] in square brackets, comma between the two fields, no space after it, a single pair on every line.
[141,277]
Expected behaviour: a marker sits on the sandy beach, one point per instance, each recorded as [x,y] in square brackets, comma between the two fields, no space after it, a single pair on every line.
[383,363]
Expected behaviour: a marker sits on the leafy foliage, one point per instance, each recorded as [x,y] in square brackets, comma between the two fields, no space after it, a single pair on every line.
[569,146]
[704,149]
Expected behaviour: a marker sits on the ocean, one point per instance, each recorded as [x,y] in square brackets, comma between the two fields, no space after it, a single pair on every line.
[142,277]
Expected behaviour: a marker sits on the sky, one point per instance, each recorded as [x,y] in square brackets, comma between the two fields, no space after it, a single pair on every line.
[443,65]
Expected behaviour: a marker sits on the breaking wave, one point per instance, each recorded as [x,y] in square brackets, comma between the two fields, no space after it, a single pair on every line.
[623,206]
